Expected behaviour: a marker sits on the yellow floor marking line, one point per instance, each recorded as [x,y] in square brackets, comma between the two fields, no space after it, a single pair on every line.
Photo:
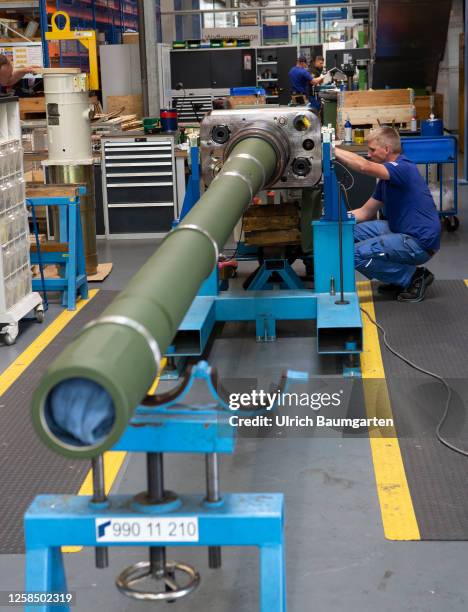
[19,365]
[113,461]
[466,283]
[398,517]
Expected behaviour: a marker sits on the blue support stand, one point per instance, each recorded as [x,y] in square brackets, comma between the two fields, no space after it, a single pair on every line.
[71,259]
[339,325]
[192,194]
[234,519]
[281,267]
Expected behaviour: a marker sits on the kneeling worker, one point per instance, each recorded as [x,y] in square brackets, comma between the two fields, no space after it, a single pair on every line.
[392,250]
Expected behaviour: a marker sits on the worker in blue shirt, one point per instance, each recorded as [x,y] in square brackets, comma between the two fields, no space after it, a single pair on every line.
[301,80]
[394,251]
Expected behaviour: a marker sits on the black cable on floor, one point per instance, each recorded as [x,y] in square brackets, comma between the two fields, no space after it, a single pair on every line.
[442,380]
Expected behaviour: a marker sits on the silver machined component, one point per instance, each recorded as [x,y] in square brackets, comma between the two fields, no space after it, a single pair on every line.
[242,178]
[271,133]
[127,322]
[195,228]
[292,132]
[253,159]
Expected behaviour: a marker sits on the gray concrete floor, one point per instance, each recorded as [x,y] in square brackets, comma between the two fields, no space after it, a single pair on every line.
[337,557]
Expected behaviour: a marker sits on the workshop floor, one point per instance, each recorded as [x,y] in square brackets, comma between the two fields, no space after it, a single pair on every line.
[337,556]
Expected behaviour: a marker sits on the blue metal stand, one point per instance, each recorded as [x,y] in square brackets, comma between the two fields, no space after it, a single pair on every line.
[441,151]
[281,267]
[71,260]
[240,519]
[339,326]
[192,194]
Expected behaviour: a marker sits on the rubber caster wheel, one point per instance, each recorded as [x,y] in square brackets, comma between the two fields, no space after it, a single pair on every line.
[8,340]
[451,224]
[40,315]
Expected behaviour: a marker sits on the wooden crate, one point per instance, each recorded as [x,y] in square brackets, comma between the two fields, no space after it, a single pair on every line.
[236,101]
[423,106]
[131,105]
[130,38]
[371,117]
[272,225]
[368,108]
[375,97]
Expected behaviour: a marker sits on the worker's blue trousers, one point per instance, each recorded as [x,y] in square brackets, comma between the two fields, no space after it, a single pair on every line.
[385,256]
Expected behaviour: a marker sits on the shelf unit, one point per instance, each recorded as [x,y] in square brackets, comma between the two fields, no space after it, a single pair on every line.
[16,296]
[267,74]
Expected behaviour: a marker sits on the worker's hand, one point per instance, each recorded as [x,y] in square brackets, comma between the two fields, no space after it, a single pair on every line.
[32,69]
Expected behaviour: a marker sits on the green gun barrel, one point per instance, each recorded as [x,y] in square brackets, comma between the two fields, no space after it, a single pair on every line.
[87,396]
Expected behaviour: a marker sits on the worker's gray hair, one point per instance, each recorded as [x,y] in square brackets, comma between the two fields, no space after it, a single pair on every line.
[386,136]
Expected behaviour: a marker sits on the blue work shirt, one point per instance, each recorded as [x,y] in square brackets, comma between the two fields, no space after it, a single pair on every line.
[300,80]
[409,206]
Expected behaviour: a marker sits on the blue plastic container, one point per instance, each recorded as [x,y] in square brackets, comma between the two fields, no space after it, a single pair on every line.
[247,91]
[432,127]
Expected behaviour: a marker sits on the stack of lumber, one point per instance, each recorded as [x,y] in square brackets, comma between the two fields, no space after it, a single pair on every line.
[116,121]
[369,109]
[272,225]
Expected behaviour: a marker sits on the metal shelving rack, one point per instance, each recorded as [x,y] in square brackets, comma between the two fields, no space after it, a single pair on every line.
[16,296]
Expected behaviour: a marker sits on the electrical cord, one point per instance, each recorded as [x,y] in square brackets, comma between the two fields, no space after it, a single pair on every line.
[410,363]
[348,172]
[345,192]
[442,380]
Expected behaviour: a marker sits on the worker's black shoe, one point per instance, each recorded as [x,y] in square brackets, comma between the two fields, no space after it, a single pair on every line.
[389,289]
[420,281]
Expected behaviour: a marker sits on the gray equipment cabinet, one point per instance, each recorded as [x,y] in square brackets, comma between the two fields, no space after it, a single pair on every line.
[138,185]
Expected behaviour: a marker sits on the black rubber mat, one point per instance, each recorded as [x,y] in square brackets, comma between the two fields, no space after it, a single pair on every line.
[434,334]
[27,467]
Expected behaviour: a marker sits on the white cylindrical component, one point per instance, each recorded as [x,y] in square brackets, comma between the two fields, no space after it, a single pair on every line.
[68,117]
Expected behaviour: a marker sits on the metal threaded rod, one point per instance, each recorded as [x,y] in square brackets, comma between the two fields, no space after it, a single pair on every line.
[212,495]
[99,496]
[341,301]
[155,469]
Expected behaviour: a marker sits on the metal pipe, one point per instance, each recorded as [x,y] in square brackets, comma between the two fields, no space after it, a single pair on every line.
[155,470]
[212,495]
[341,301]
[143,62]
[115,359]
[99,496]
